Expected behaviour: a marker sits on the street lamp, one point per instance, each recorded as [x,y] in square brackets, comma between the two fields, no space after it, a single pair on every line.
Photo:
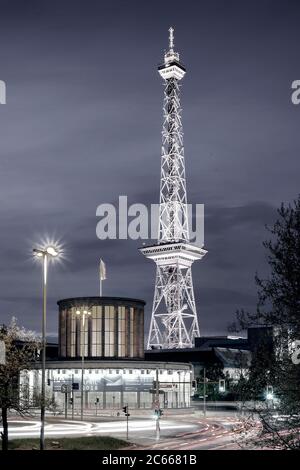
[45,254]
[83,313]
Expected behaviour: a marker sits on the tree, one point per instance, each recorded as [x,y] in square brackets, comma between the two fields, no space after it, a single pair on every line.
[278,307]
[21,350]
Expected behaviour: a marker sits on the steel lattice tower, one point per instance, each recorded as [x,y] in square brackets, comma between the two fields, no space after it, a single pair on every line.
[174,322]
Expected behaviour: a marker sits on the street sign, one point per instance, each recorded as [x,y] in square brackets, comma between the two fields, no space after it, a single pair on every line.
[161,392]
[2,353]
[65,388]
[165,385]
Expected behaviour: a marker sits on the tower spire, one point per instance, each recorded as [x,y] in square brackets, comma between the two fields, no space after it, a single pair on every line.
[171,39]
[174,322]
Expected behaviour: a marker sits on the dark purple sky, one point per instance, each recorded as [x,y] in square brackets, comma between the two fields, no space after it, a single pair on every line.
[82,126]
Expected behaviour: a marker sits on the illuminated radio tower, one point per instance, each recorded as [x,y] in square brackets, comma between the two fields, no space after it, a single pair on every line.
[174,322]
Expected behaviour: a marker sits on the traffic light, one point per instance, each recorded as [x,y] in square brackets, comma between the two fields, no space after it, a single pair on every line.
[125,410]
[222,386]
[159,413]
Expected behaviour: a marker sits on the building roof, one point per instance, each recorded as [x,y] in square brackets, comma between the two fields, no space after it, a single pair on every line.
[73,301]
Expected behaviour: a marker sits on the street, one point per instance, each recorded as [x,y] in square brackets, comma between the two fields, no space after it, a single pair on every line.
[216,431]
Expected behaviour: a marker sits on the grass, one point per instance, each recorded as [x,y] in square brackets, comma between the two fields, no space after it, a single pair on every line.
[68,443]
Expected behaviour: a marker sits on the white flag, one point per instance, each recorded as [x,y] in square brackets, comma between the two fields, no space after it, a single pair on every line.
[102,270]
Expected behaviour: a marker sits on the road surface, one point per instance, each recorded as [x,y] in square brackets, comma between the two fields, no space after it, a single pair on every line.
[182,433]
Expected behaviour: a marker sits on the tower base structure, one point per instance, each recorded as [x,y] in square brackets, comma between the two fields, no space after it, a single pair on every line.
[174,322]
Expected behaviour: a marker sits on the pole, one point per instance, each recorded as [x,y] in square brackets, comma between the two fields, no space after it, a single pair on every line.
[72,397]
[82,364]
[42,433]
[157,404]
[66,405]
[127,423]
[100,287]
[204,392]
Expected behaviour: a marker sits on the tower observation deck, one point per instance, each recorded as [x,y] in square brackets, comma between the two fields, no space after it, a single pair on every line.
[174,322]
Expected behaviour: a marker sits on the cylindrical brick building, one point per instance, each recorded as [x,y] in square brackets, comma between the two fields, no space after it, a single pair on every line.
[113,327]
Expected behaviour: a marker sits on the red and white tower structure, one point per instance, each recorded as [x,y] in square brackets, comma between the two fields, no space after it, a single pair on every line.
[174,322]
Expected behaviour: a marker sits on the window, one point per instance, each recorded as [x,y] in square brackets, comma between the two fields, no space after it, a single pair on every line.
[132,339]
[109,331]
[96,331]
[121,332]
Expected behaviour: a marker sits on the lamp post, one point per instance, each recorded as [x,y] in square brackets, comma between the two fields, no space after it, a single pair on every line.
[83,313]
[45,254]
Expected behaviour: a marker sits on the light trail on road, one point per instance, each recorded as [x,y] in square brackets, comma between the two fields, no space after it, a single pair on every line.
[23,429]
[212,435]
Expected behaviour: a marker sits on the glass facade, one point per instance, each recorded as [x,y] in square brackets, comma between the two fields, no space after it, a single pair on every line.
[113,387]
[113,328]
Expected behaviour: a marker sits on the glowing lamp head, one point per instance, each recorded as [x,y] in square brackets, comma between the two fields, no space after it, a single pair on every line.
[52,251]
[38,253]
[48,250]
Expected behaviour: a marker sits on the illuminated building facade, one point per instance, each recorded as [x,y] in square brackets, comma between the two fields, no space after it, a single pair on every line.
[109,385]
[114,327]
[115,371]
